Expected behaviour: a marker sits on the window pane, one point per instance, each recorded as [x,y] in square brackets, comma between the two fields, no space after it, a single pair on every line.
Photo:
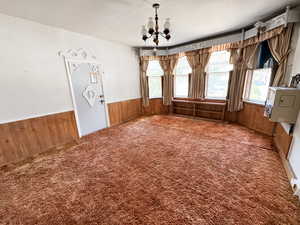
[154,69]
[260,84]
[219,62]
[217,85]
[181,86]
[217,69]
[182,67]
[155,88]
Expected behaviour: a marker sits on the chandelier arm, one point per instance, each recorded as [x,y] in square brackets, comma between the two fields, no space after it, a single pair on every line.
[162,34]
[149,36]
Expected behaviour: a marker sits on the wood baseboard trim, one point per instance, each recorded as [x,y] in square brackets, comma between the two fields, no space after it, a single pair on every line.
[287,167]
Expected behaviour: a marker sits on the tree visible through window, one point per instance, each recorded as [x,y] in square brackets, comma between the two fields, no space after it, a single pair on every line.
[259,85]
[181,77]
[217,75]
[154,74]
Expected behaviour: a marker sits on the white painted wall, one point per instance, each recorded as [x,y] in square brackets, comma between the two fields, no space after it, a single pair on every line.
[33,80]
[294,157]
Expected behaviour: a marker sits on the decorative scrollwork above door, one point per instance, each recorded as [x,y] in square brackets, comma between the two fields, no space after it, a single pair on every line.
[78,55]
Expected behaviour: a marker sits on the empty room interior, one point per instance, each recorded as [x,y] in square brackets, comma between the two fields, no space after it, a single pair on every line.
[143,112]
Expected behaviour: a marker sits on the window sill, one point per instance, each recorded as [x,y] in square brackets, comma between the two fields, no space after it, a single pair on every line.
[181,97]
[212,98]
[254,102]
[200,99]
[156,98]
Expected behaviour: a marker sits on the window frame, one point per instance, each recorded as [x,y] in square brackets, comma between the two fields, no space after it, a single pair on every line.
[228,82]
[161,81]
[249,77]
[188,75]
[206,87]
[174,83]
[248,85]
[162,87]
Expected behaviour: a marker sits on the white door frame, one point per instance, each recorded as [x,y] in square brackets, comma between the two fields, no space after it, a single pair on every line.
[80,56]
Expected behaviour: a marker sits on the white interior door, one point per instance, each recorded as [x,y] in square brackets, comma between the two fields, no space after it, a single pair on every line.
[88,96]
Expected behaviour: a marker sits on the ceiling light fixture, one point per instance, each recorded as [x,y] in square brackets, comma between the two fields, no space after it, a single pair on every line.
[153,28]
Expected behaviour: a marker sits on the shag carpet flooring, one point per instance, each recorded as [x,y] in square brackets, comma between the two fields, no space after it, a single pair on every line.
[159,170]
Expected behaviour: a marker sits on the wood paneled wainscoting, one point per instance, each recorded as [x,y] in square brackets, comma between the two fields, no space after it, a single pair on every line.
[123,111]
[156,106]
[252,116]
[120,112]
[282,140]
[23,139]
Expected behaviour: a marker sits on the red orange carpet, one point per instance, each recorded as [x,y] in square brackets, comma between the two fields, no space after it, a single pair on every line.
[157,170]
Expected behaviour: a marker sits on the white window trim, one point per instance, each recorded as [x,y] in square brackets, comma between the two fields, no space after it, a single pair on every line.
[206,81]
[254,102]
[247,88]
[149,76]
[206,86]
[174,83]
[215,98]
[153,97]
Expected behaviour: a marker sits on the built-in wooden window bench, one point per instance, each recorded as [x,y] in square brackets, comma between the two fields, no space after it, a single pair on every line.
[199,108]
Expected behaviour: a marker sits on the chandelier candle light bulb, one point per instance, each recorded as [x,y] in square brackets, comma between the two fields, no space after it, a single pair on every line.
[144,30]
[167,26]
[153,28]
[151,25]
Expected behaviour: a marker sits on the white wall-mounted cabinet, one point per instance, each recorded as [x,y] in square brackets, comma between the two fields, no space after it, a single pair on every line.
[283,104]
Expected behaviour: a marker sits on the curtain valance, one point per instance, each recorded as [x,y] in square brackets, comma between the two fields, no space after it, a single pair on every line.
[227,46]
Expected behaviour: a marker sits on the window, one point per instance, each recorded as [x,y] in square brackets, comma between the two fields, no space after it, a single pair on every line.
[181,78]
[259,81]
[217,75]
[154,74]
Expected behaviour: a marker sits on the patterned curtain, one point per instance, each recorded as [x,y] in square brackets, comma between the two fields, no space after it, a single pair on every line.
[280,49]
[198,63]
[235,59]
[242,60]
[168,66]
[143,82]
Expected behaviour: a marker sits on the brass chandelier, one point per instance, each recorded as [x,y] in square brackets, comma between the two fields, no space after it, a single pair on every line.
[153,28]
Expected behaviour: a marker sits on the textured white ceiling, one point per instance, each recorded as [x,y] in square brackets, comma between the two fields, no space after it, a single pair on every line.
[121,20]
